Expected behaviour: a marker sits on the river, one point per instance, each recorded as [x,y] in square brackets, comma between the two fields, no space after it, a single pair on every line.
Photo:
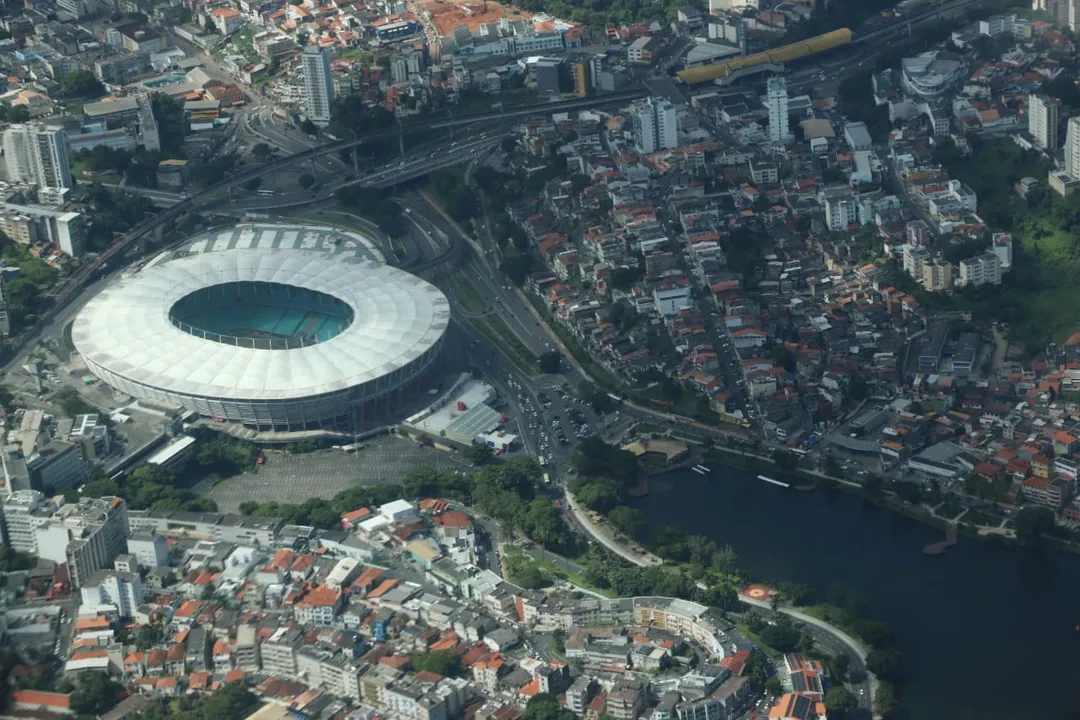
[986,631]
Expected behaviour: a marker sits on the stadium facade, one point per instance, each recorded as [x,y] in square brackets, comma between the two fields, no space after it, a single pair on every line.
[278,328]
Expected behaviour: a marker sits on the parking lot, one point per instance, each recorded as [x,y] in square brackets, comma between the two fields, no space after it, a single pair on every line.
[296,478]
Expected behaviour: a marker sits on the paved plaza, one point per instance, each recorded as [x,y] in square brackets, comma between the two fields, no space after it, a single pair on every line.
[323,474]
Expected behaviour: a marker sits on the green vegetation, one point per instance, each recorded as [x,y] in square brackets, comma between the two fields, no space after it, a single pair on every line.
[839,701]
[504,491]
[26,297]
[1039,296]
[498,332]
[91,693]
[546,707]
[1032,523]
[466,294]
[13,560]
[374,204]
[780,635]
[223,455]
[81,84]
[231,701]
[72,404]
[148,487]
[455,195]
[440,662]
[523,570]
[112,216]
[551,363]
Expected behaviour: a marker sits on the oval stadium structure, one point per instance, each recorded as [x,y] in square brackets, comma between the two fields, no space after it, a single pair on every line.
[278,328]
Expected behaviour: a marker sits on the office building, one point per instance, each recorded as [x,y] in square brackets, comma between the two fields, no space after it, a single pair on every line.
[318,85]
[654,126]
[1072,148]
[982,269]
[246,649]
[87,536]
[24,512]
[776,100]
[108,591]
[27,224]
[841,210]
[937,275]
[56,466]
[1043,117]
[38,153]
[149,549]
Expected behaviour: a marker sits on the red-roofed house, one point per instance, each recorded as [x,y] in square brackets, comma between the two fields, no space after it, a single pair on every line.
[58,703]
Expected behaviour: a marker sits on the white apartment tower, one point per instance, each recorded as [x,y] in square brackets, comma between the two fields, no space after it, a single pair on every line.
[1072,148]
[655,126]
[24,512]
[776,99]
[38,153]
[1043,115]
[318,85]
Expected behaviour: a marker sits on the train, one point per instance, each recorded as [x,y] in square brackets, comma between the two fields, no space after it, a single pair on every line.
[776,56]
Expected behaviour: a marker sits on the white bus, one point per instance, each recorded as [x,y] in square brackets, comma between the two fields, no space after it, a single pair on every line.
[547,479]
[266,193]
[540,461]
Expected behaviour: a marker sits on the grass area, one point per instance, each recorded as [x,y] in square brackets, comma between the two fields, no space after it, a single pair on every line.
[500,334]
[467,295]
[110,179]
[1040,296]
[572,577]
[757,641]
[325,218]
[69,344]
[978,517]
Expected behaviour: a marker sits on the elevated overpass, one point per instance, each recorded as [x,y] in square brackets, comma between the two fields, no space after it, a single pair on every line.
[75,283]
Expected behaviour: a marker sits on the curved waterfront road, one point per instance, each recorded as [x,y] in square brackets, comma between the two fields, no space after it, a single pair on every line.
[835,639]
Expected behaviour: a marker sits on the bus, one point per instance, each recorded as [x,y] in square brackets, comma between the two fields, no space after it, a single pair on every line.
[266,193]
[540,461]
[547,479]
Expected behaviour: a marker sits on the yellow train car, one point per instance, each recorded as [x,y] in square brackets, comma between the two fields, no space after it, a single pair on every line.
[784,54]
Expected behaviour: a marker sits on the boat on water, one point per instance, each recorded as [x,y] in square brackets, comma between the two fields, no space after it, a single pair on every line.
[698,470]
[773,482]
[702,468]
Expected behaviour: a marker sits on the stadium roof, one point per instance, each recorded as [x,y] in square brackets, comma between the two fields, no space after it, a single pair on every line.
[126,328]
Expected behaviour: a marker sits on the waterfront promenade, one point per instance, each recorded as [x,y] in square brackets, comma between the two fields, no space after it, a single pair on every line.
[604,535]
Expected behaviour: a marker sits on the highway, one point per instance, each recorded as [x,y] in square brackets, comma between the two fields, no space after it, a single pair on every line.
[71,287]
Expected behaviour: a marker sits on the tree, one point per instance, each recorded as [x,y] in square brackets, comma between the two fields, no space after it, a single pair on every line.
[773,686]
[81,83]
[885,704]
[551,363]
[908,491]
[517,268]
[509,145]
[19,114]
[440,662]
[558,641]
[479,454]
[629,521]
[262,151]
[309,128]
[95,694]
[1031,523]
[253,184]
[840,701]
[840,664]
[545,706]
[306,180]
[873,485]
[885,663]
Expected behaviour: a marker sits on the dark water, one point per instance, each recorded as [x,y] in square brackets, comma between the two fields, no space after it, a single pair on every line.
[986,631]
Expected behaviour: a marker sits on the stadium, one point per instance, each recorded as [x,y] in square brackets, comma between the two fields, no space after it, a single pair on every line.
[278,328]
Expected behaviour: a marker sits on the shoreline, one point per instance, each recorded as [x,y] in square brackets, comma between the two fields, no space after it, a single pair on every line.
[601,534]
[886,501]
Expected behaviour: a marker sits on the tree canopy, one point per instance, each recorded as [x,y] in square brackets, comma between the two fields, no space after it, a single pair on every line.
[81,84]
